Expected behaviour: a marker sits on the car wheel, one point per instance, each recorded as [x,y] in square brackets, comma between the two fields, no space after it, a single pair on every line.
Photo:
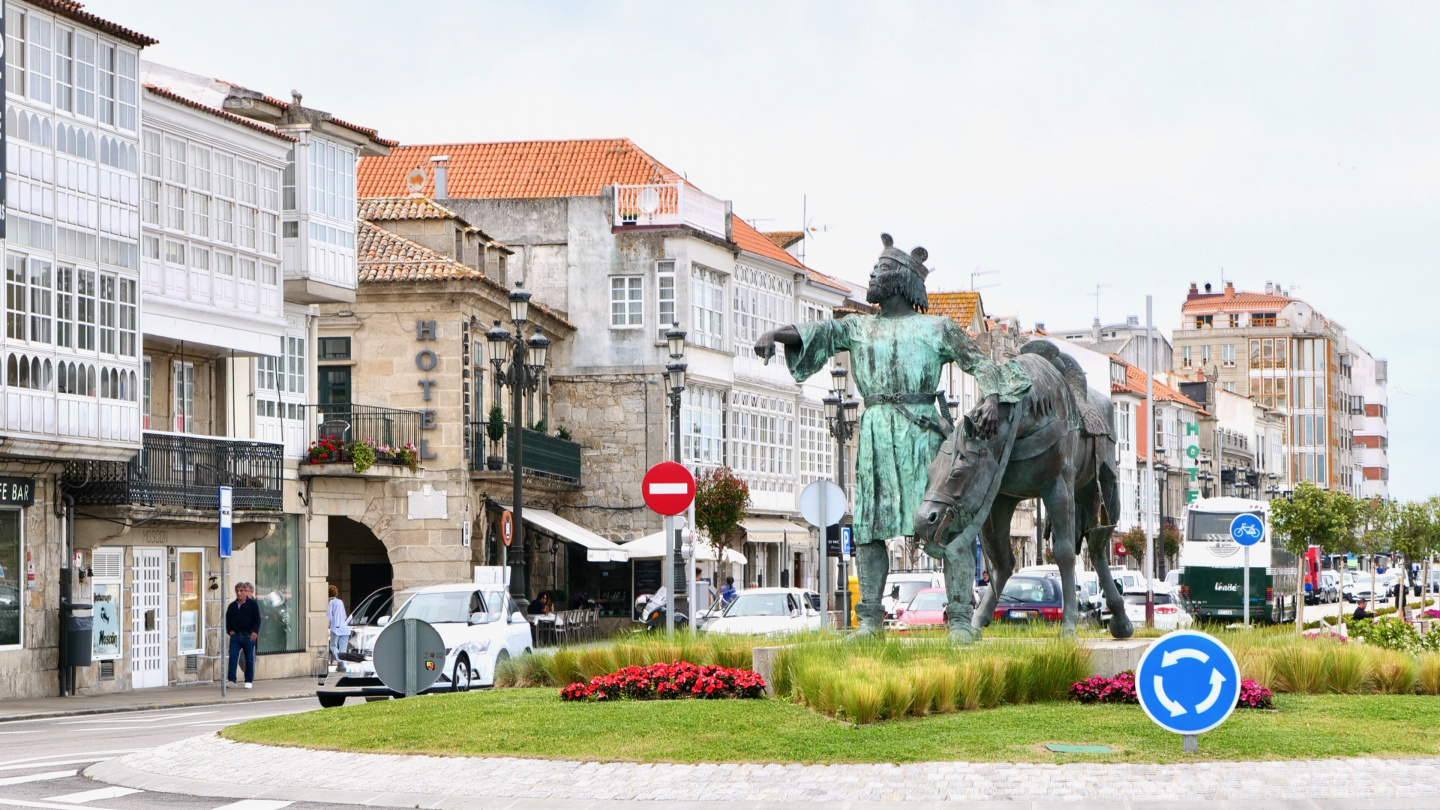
[460,678]
[331,701]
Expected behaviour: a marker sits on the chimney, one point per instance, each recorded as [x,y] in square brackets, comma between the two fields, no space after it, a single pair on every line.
[1229,288]
[1095,330]
[1039,326]
[1269,288]
[1132,320]
[442,164]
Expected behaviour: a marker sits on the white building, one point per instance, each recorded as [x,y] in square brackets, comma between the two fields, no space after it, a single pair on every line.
[71,342]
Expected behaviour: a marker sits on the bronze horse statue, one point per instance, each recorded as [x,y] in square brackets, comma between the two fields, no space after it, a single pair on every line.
[1056,445]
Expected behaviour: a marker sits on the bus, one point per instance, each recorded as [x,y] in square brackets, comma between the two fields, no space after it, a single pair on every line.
[1212,566]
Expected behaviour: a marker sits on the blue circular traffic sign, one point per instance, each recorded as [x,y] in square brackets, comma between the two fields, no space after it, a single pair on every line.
[1247,529]
[1187,682]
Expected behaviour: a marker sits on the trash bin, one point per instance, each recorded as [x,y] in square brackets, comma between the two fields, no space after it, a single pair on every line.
[79,639]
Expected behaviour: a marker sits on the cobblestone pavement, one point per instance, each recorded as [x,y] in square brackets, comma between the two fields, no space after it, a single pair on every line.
[257,767]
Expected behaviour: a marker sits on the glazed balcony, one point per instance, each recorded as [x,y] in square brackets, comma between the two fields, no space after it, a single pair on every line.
[546,456]
[183,471]
[670,204]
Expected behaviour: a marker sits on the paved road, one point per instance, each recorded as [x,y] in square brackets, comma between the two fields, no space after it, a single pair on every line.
[41,760]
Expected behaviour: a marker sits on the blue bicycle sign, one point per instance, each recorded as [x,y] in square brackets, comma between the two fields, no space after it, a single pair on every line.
[1247,529]
[1187,682]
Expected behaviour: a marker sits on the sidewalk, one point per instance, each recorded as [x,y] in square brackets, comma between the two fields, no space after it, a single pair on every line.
[211,766]
[168,697]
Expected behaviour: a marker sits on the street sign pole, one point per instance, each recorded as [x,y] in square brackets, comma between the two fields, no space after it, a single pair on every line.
[668,579]
[669,489]
[1247,587]
[226,547]
[1247,530]
[824,534]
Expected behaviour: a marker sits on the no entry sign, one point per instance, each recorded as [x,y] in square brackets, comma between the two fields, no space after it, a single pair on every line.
[507,526]
[668,488]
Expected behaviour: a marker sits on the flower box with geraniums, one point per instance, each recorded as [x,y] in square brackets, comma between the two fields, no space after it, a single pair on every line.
[407,456]
[326,450]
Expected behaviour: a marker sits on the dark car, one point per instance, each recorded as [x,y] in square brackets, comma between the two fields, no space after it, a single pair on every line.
[1030,598]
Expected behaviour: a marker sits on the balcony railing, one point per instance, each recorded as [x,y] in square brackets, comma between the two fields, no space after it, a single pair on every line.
[545,455]
[670,204]
[183,471]
[348,422]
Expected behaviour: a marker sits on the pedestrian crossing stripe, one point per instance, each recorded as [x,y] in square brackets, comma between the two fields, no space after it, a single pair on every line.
[255,804]
[93,795]
[37,777]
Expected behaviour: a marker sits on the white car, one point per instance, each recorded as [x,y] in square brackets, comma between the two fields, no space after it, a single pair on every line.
[480,625]
[768,612]
[901,588]
[1169,613]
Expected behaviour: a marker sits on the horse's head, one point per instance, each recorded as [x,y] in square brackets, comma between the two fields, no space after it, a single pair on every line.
[959,479]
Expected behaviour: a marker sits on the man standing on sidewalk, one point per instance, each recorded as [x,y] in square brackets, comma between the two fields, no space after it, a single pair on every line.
[242,622]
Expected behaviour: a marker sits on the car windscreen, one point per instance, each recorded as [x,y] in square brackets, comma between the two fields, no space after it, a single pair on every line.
[1139,599]
[760,604]
[1028,589]
[928,601]
[448,606]
[908,589]
[372,608]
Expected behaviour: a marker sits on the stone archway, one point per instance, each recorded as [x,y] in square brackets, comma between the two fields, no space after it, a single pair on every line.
[359,561]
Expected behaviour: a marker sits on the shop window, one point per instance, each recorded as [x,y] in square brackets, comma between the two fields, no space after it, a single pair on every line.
[277,587]
[107,569]
[11,571]
[189,592]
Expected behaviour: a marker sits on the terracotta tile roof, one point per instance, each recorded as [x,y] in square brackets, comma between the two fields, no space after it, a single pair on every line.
[959,307]
[1135,384]
[377,209]
[752,241]
[231,117]
[1231,301]
[75,11]
[518,169]
[784,239]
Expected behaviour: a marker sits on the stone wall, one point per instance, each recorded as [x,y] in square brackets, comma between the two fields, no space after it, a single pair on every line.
[33,670]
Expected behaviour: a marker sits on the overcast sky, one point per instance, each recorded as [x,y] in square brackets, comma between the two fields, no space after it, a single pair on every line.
[1059,146]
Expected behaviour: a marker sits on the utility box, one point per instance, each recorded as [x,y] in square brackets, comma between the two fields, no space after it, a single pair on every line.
[79,640]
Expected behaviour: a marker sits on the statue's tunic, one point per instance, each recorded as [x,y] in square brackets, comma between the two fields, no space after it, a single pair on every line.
[901,355]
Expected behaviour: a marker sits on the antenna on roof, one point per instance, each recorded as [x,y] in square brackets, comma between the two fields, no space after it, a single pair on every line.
[415,180]
[976,273]
[1098,288]
[807,225]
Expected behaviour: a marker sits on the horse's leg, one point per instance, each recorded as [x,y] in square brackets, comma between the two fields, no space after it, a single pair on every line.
[1001,559]
[1060,500]
[1099,545]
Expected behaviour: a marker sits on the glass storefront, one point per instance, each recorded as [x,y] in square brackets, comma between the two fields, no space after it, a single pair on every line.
[277,588]
[11,576]
[189,595]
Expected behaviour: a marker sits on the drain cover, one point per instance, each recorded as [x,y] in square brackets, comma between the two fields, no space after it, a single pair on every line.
[1060,748]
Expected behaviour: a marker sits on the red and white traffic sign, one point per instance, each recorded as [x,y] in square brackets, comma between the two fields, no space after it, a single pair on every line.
[668,488]
[507,526]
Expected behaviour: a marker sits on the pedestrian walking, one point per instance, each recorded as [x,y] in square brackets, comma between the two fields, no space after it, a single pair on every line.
[727,593]
[242,623]
[339,622]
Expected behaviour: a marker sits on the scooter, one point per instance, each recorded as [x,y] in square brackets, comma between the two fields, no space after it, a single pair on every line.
[651,612]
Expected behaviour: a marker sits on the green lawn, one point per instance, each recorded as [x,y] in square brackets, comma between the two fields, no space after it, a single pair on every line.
[535,723]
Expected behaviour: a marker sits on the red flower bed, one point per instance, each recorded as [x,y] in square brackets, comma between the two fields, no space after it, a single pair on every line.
[1121,689]
[677,679]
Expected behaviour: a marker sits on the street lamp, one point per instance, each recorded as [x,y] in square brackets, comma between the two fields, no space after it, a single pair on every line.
[518,365]
[1162,471]
[675,379]
[841,409]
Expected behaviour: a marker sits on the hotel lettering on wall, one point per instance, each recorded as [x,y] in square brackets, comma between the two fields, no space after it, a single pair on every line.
[426,360]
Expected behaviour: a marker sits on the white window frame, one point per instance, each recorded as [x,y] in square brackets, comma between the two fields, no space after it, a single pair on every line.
[702,427]
[708,307]
[627,302]
[666,297]
[182,385]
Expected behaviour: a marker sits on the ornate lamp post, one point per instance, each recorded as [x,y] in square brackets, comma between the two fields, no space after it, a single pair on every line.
[518,365]
[675,565]
[1205,476]
[1162,472]
[841,408]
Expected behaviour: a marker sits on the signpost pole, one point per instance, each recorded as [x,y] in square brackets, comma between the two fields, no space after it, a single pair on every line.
[411,676]
[824,564]
[226,547]
[1247,587]
[1191,743]
[224,636]
[668,578]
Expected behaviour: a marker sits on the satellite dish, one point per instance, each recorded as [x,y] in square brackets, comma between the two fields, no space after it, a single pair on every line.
[415,180]
[649,201]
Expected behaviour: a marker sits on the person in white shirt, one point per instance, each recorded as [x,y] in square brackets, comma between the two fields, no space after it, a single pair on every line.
[339,622]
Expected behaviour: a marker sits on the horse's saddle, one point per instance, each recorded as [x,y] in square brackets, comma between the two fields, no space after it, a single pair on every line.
[1077,388]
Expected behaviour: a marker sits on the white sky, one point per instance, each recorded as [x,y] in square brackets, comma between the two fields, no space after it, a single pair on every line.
[1140,146]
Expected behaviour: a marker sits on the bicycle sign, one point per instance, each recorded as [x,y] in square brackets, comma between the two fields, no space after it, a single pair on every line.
[1247,529]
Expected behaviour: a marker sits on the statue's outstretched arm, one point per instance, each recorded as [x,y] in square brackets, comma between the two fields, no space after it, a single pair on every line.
[787,335]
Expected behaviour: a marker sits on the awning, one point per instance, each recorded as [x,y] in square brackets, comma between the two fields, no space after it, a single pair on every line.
[597,548]
[773,530]
[652,547]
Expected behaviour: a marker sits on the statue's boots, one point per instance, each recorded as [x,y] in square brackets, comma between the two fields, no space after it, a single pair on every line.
[959,620]
[872,620]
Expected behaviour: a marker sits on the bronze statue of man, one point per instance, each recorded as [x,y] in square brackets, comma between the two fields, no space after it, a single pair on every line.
[895,360]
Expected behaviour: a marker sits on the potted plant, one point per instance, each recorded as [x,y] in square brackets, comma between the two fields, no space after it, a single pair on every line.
[325,450]
[495,429]
[408,456]
[362,453]
[385,454]
[563,433]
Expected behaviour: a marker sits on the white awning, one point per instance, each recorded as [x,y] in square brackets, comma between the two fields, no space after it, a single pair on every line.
[652,547]
[597,548]
[773,530]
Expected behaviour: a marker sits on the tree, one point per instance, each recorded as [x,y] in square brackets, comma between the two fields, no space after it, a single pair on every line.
[720,502]
[1374,525]
[1416,534]
[1311,516]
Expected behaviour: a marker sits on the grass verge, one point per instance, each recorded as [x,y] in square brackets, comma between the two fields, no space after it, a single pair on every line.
[535,723]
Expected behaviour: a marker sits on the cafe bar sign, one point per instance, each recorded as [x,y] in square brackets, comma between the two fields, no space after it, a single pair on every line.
[17,491]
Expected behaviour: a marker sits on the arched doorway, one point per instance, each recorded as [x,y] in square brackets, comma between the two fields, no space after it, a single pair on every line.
[359,563]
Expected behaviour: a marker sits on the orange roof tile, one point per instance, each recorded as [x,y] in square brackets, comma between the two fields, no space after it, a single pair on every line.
[959,307]
[1229,300]
[75,11]
[1135,384]
[784,239]
[378,209]
[518,169]
[752,241]
[231,117]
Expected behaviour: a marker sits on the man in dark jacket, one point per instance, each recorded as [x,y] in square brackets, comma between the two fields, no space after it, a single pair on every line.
[242,622]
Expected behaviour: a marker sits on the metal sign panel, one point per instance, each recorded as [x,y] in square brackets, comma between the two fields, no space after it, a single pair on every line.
[17,491]
[409,656]
[668,488]
[227,521]
[833,497]
[1247,529]
[1187,682]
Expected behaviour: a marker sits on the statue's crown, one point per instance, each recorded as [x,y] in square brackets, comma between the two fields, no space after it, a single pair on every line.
[915,259]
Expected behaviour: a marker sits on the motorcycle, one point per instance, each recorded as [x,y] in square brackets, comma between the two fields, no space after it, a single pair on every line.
[650,611]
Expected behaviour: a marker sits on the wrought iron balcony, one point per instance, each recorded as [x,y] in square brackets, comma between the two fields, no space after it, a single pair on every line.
[184,471]
[545,455]
[347,422]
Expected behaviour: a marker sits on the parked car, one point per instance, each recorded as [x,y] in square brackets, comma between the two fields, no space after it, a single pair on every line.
[1028,597]
[366,621]
[480,625]
[900,588]
[1169,613]
[926,611]
[1328,591]
[768,612]
[1087,584]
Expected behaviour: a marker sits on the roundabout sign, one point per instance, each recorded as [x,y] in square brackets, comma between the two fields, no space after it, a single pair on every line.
[1188,683]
